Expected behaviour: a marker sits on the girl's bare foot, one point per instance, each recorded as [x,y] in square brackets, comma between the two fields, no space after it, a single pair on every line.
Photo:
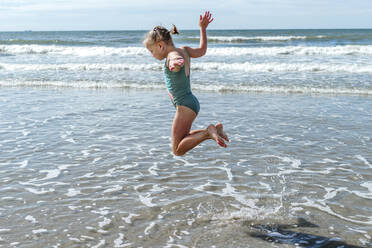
[212,131]
[220,131]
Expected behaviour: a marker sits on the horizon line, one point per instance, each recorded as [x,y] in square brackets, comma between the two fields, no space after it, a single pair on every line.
[211,29]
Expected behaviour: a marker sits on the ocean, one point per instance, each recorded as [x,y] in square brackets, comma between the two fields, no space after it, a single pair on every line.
[86,160]
[285,61]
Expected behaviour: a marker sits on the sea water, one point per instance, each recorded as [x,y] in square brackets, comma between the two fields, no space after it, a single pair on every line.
[305,61]
[86,161]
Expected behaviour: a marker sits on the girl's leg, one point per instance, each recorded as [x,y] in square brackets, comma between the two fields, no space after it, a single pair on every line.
[182,139]
[220,131]
[219,128]
[196,131]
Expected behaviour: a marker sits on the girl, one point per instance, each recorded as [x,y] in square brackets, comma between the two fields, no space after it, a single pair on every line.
[177,76]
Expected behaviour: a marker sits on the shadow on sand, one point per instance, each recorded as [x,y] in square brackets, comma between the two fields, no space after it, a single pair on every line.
[281,234]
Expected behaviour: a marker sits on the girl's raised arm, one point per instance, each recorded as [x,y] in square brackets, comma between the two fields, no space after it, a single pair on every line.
[203,23]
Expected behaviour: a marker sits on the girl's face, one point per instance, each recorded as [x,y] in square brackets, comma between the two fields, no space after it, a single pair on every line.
[157,50]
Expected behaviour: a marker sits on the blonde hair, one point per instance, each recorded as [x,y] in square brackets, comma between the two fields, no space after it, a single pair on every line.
[159,33]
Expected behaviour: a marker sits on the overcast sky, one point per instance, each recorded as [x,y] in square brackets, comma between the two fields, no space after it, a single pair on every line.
[19,15]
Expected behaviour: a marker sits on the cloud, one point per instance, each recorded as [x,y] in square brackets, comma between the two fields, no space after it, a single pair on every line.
[139,14]
[40,6]
[23,6]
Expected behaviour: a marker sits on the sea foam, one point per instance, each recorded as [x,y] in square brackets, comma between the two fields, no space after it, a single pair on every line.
[195,86]
[223,51]
[206,66]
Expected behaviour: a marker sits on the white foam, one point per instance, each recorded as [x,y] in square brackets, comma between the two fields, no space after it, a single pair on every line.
[367,185]
[108,137]
[74,50]
[51,174]
[266,186]
[228,172]
[156,188]
[105,223]
[365,161]
[39,231]
[66,166]
[262,38]
[129,166]
[119,242]
[284,89]
[31,219]
[331,192]
[73,207]
[292,50]
[231,191]
[146,200]
[328,160]
[195,86]
[149,227]
[11,198]
[171,245]
[102,211]
[243,213]
[40,192]
[100,244]
[30,183]
[249,173]
[82,67]
[84,237]
[280,137]
[113,189]
[24,164]
[71,140]
[128,219]
[186,163]
[202,187]
[75,239]
[85,153]
[327,209]
[152,171]
[282,67]
[368,195]
[73,192]
[295,163]
[83,84]
[226,51]
[206,66]
[96,160]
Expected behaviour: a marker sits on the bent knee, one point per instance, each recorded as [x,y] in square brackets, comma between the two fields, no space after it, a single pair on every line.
[178,153]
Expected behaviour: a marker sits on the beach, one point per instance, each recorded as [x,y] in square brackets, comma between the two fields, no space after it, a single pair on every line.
[86,158]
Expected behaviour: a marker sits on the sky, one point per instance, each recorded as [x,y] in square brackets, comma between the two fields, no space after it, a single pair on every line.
[56,15]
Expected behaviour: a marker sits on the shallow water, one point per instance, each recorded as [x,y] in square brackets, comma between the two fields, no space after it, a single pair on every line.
[94,168]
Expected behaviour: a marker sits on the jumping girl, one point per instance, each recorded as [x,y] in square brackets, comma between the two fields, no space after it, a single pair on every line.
[177,77]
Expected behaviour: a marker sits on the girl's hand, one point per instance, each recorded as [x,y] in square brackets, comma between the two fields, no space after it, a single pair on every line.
[205,20]
[176,64]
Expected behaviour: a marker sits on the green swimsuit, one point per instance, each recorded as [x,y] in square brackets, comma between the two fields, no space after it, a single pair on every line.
[178,85]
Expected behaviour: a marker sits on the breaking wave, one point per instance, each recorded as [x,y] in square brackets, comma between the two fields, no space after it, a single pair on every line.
[81,51]
[207,66]
[198,87]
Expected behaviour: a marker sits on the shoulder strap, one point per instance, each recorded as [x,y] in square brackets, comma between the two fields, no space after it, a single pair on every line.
[189,60]
[187,53]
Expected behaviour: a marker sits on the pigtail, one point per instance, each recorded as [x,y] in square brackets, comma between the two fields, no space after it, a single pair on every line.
[174,30]
[159,33]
